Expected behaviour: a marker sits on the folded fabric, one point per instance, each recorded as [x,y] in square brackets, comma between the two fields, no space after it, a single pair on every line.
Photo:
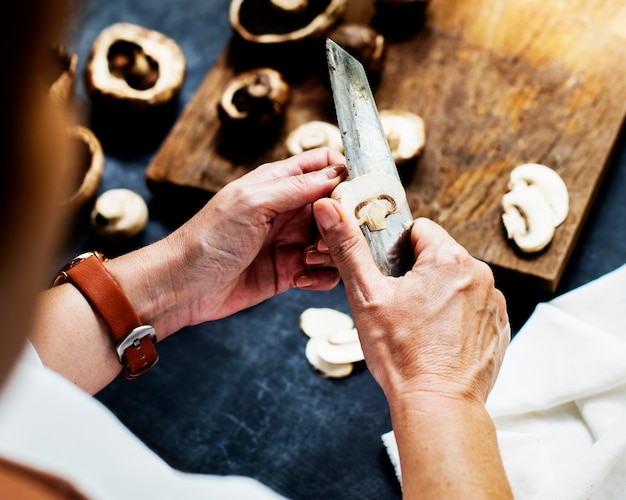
[559,404]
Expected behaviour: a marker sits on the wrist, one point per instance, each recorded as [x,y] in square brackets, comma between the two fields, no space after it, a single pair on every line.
[147,278]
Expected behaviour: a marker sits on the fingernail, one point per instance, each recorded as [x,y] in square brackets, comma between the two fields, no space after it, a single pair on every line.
[327,218]
[304,281]
[314,258]
[337,170]
[322,246]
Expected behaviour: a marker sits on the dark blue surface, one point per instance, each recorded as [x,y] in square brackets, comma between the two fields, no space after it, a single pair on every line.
[237,396]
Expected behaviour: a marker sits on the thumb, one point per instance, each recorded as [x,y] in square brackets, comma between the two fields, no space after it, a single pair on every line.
[347,245]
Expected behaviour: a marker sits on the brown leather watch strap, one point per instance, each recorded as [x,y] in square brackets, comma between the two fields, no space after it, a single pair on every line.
[133,340]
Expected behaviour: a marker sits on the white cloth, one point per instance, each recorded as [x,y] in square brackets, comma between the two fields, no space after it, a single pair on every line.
[48,423]
[559,404]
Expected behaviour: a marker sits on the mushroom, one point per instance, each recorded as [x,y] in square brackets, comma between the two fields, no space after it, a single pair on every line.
[254,99]
[371,198]
[405,133]
[536,204]
[85,167]
[364,43]
[333,346]
[61,74]
[314,134]
[400,17]
[276,22]
[133,65]
[119,213]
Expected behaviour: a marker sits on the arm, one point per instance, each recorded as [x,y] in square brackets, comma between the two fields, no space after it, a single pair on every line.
[434,340]
[243,247]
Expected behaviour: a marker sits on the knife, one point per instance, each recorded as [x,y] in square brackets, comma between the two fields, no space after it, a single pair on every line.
[366,150]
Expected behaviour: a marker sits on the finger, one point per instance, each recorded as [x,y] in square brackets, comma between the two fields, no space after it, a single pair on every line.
[314,258]
[426,235]
[348,249]
[321,279]
[284,194]
[309,161]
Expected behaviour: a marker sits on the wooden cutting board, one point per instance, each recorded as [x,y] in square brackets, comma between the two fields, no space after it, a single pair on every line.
[498,82]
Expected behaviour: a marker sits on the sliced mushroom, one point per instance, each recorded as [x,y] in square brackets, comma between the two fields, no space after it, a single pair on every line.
[324,321]
[549,183]
[337,353]
[314,134]
[405,133]
[371,198]
[119,213]
[364,43]
[333,344]
[283,21]
[537,203]
[133,65]
[329,370]
[85,167]
[254,99]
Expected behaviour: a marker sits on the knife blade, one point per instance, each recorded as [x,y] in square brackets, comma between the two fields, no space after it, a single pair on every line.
[367,150]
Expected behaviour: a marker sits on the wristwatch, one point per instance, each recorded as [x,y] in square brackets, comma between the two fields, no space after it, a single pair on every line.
[134,342]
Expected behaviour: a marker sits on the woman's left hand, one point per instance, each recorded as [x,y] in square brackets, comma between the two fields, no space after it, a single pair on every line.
[246,245]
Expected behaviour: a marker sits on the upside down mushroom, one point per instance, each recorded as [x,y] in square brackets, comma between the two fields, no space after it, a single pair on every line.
[134,66]
[256,98]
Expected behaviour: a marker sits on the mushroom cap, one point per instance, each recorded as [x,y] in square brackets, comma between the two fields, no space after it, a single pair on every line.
[87,167]
[406,134]
[256,95]
[119,213]
[314,134]
[257,21]
[363,42]
[156,46]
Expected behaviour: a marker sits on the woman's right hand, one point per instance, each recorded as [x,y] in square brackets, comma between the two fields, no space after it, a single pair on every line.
[441,329]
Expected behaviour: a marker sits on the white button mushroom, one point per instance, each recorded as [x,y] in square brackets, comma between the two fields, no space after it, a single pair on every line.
[537,203]
[119,213]
[314,134]
[406,134]
[371,198]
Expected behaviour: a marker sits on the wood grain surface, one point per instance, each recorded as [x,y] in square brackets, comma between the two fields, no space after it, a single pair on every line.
[498,82]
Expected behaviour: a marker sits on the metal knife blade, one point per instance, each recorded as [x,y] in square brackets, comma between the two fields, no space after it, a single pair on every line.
[366,150]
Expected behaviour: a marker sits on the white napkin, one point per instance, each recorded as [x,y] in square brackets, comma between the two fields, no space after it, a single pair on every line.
[559,404]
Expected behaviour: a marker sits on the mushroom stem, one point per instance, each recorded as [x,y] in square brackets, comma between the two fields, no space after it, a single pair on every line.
[290,5]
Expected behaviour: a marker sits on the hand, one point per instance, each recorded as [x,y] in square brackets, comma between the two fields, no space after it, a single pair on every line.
[441,329]
[246,244]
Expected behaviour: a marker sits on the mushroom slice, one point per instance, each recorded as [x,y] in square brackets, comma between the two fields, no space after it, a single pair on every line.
[340,351]
[527,218]
[255,98]
[314,134]
[329,370]
[343,337]
[136,66]
[549,183]
[405,133]
[119,213]
[324,321]
[371,198]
